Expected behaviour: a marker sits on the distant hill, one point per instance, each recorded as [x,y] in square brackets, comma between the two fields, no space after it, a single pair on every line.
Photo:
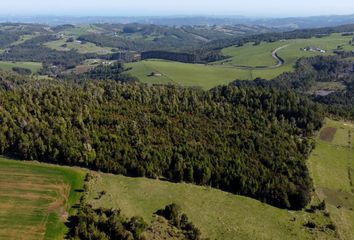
[282,23]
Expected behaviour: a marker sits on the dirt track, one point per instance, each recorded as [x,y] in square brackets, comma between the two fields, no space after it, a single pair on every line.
[274,55]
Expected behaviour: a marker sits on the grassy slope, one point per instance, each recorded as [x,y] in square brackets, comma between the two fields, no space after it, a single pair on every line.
[330,164]
[218,214]
[81,48]
[23,39]
[249,55]
[33,66]
[35,198]
[223,72]
[186,74]
[81,30]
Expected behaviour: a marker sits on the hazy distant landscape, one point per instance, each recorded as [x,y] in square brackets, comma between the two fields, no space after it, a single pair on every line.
[156,120]
[284,23]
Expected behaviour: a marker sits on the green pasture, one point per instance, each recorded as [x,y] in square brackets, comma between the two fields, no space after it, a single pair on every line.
[33,66]
[219,215]
[244,63]
[332,168]
[80,47]
[36,199]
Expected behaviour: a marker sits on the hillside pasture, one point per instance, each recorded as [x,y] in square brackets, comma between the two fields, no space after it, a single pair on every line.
[23,39]
[219,215]
[33,66]
[260,55]
[184,74]
[63,45]
[81,30]
[251,56]
[244,63]
[332,165]
[36,199]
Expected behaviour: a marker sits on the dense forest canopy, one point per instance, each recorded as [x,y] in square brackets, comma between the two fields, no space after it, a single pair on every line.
[251,141]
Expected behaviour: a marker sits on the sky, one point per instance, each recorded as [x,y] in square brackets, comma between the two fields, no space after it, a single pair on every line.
[251,8]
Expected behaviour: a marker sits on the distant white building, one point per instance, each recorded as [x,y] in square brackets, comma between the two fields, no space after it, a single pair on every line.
[313,49]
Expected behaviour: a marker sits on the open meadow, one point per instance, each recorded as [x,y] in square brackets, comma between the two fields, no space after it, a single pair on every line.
[8,65]
[184,74]
[36,199]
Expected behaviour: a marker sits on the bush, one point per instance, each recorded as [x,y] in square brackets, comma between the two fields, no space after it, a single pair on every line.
[22,71]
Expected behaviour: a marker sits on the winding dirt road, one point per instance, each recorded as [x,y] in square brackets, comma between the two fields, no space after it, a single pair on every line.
[280,61]
[277,58]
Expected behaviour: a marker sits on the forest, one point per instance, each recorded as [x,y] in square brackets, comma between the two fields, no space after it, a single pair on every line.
[246,140]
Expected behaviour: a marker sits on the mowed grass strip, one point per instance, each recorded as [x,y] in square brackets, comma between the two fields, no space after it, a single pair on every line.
[331,166]
[219,215]
[35,199]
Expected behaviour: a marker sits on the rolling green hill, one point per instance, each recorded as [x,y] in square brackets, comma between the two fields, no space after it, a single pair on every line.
[246,63]
[185,74]
[219,215]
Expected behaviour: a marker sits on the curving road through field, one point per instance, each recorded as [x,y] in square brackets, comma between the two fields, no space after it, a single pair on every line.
[277,58]
[280,61]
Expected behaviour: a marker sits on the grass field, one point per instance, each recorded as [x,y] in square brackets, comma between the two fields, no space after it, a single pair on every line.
[35,199]
[81,30]
[81,48]
[223,72]
[219,215]
[23,39]
[33,66]
[186,74]
[332,168]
